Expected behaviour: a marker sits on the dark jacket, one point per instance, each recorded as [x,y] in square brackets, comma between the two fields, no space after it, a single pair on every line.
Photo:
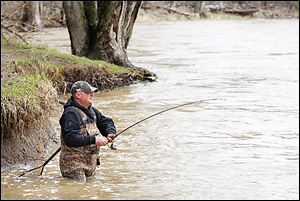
[71,122]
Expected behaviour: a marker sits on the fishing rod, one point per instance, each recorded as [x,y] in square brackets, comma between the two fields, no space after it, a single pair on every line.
[112,146]
[43,165]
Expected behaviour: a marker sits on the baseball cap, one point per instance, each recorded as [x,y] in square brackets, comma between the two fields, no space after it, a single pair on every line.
[83,86]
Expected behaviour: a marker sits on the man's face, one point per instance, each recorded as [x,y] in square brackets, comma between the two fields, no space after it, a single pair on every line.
[85,99]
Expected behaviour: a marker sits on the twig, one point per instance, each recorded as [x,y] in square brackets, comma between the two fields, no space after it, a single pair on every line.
[13,32]
[169,9]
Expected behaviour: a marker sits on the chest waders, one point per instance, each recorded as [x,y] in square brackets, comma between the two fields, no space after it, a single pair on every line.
[76,161]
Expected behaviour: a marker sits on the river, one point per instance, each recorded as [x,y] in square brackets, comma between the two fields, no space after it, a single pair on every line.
[244,145]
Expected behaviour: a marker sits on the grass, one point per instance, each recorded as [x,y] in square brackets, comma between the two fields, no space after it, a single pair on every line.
[57,57]
[27,87]
[25,101]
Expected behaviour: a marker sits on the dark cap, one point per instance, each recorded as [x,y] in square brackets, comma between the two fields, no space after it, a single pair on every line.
[83,86]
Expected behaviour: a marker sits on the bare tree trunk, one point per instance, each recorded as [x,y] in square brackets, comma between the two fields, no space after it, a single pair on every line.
[102,30]
[27,14]
[77,26]
[197,6]
[36,13]
[31,15]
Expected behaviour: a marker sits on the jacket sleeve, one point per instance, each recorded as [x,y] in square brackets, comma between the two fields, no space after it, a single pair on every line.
[105,124]
[70,123]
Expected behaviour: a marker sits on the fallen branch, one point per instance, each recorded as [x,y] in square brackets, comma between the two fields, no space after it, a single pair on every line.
[168,9]
[241,12]
[13,32]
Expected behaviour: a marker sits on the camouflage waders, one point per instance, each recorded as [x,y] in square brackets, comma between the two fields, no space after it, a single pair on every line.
[80,162]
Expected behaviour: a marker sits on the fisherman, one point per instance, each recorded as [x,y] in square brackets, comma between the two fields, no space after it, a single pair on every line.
[83,130]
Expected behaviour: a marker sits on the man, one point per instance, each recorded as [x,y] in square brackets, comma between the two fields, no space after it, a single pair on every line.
[81,129]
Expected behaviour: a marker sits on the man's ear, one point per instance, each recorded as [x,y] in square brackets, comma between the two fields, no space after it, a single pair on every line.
[77,95]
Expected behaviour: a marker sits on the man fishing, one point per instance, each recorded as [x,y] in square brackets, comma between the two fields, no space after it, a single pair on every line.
[80,135]
[83,130]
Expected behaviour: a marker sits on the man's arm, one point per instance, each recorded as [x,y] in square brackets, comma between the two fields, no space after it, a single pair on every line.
[105,124]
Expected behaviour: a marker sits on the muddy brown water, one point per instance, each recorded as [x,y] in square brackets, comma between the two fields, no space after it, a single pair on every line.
[244,146]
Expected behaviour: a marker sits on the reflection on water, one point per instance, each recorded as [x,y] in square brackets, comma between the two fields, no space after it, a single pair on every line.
[243,146]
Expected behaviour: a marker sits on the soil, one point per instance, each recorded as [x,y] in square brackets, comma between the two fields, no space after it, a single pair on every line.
[31,146]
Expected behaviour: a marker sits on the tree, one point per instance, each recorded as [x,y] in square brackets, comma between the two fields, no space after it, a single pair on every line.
[31,15]
[101,29]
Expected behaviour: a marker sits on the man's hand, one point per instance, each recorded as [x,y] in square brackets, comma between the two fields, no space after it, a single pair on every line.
[111,137]
[101,141]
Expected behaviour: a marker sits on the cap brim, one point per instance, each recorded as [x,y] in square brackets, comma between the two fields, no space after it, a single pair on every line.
[94,89]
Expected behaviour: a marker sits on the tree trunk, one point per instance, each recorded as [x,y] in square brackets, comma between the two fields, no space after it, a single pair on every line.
[31,15]
[101,30]
[36,13]
[77,26]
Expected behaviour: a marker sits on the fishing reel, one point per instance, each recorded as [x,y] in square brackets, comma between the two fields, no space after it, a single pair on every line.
[113,145]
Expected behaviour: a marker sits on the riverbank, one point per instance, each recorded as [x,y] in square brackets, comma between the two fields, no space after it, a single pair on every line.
[32,78]
[150,16]
[174,11]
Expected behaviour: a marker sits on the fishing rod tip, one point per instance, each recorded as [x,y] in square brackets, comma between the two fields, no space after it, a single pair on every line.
[19,176]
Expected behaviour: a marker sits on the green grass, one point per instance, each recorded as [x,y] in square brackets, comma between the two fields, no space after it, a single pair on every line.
[27,87]
[57,58]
